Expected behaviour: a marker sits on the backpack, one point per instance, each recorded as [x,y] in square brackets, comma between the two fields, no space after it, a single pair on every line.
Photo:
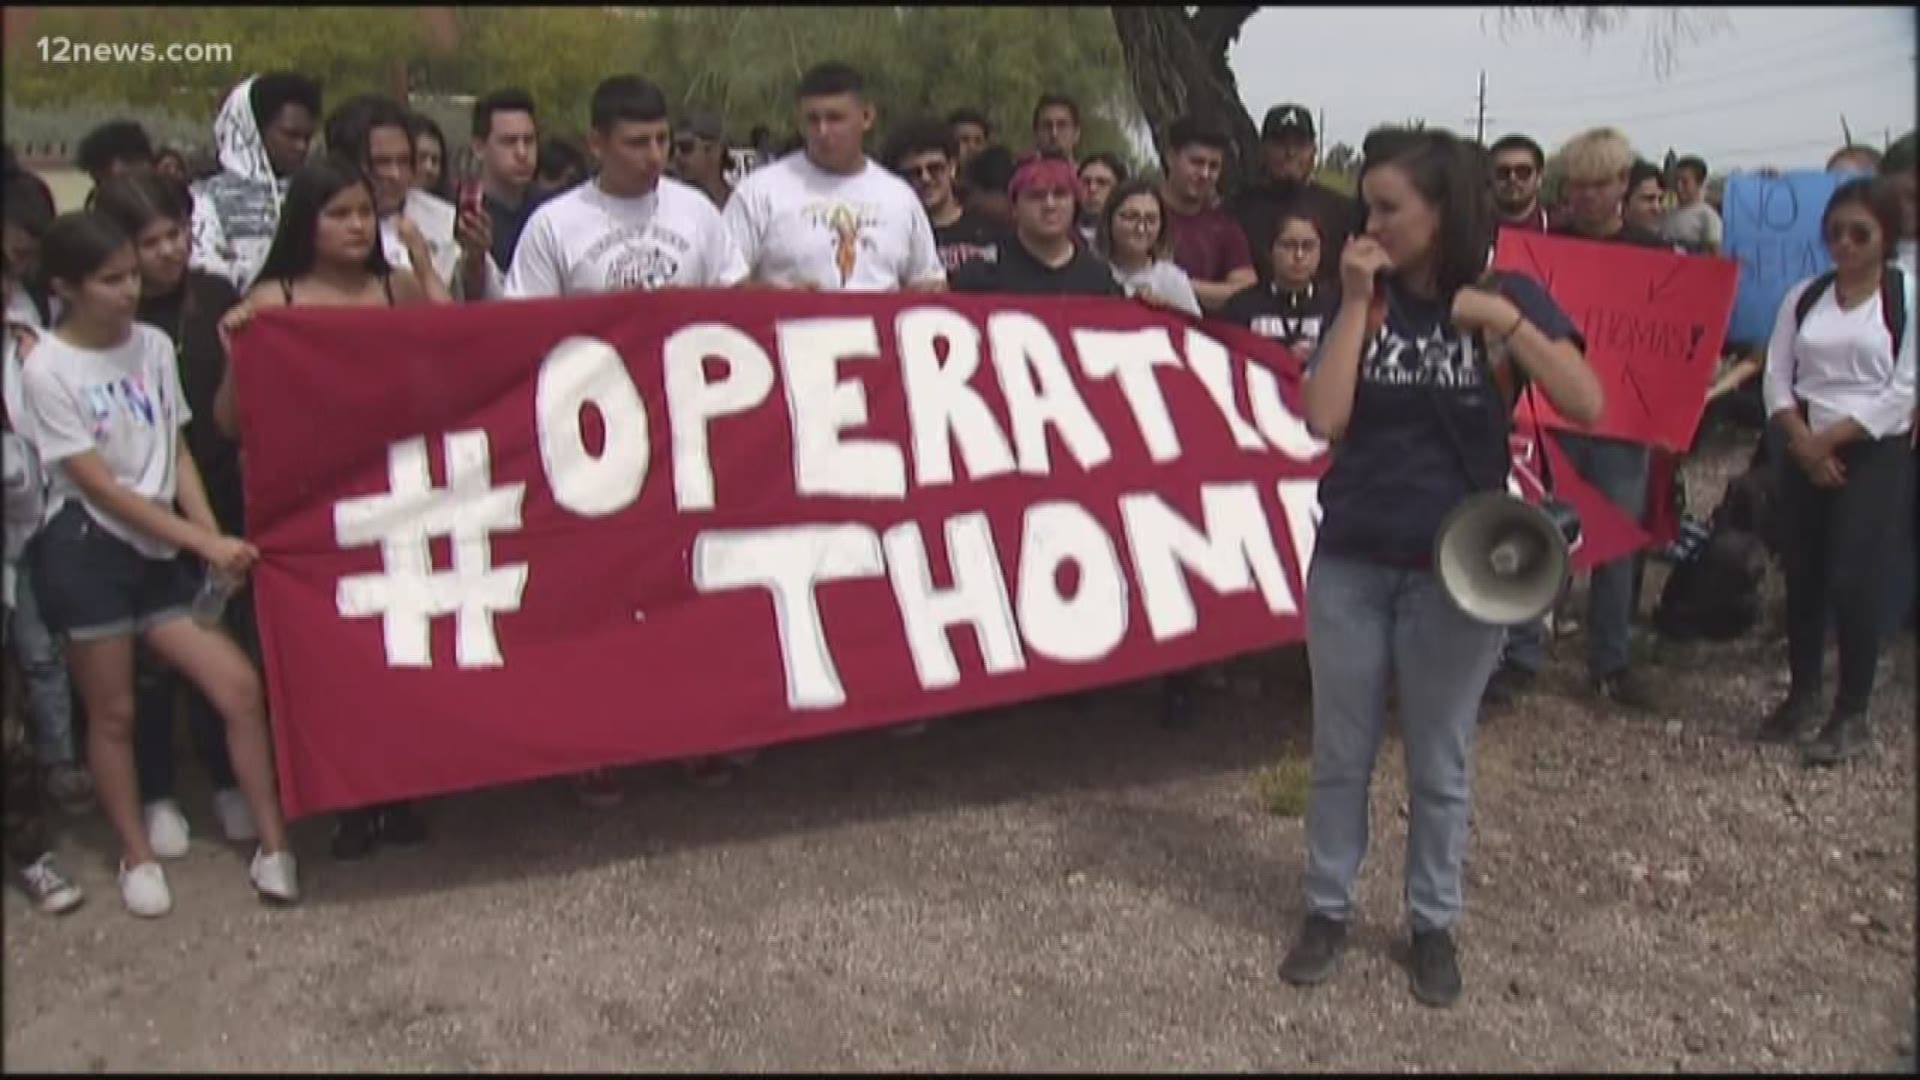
[1893,302]
[1714,590]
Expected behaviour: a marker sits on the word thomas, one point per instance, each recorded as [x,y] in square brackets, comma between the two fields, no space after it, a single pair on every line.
[712,372]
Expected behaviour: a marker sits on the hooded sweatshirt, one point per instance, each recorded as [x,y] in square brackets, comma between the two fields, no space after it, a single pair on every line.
[235,211]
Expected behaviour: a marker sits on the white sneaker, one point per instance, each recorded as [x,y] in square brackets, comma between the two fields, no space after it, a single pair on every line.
[144,889]
[167,829]
[274,876]
[236,821]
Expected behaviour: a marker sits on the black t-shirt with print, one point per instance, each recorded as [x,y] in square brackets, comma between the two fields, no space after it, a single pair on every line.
[1017,271]
[971,238]
[1397,474]
[1294,319]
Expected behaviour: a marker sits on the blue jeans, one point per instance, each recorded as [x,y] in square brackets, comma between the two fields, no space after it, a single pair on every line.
[1618,470]
[43,667]
[1366,623]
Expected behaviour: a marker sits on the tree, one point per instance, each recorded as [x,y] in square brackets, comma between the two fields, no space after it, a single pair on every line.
[1177,59]
[1342,159]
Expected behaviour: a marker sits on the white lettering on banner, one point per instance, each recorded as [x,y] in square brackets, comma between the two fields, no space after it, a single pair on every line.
[941,404]
[1131,355]
[408,593]
[789,563]
[1089,624]
[822,406]
[1286,431]
[1039,392]
[978,598]
[582,372]
[1235,550]
[693,402]
[1212,366]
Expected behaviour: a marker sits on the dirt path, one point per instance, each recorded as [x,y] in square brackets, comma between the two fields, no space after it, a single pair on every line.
[1061,886]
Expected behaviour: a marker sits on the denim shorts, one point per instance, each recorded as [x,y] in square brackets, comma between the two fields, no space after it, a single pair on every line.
[91,584]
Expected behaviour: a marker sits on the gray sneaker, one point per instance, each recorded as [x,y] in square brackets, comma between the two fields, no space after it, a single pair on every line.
[48,888]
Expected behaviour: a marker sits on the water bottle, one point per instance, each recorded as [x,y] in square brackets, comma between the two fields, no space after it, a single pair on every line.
[210,603]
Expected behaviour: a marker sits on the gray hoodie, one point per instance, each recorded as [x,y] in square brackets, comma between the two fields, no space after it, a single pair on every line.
[235,210]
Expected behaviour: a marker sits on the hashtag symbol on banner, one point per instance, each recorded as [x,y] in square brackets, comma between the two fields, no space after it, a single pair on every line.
[408,593]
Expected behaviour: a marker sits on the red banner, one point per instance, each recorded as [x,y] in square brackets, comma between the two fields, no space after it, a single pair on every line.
[518,540]
[1654,323]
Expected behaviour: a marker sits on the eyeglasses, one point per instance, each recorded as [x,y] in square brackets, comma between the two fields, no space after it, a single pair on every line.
[686,146]
[1858,233]
[1513,172]
[1137,219]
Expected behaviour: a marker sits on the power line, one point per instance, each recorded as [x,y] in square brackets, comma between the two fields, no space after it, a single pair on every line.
[1744,64]
[1852,55]
[1745,100]
[1767,82]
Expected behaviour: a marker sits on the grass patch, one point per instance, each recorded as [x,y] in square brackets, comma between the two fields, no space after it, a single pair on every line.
[1283,787]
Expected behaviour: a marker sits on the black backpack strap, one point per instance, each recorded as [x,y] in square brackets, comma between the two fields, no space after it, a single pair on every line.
[1815,289]
[1893,305]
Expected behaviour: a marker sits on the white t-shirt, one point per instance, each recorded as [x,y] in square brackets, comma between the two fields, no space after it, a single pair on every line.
[1842,363]
[434,217]
[587,241]
[798,225]
[124,403]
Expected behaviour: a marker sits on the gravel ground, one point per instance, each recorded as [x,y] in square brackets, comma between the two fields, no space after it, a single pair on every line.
[1060,886]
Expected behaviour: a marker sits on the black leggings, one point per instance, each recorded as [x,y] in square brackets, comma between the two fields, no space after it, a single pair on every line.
[1840,550]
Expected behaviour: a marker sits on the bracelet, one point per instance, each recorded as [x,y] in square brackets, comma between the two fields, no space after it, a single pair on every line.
[1514,329]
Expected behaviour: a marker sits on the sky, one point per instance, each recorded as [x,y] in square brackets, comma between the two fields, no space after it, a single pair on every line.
[1769,88]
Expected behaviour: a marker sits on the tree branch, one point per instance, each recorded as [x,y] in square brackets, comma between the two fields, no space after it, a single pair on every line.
[1216,28]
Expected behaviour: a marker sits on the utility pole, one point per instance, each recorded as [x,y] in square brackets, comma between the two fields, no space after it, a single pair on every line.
[1480,115]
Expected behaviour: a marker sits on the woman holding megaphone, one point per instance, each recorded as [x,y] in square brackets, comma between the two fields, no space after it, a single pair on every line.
[1413,385]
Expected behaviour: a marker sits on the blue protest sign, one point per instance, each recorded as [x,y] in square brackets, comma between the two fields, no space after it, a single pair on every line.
[1773,231]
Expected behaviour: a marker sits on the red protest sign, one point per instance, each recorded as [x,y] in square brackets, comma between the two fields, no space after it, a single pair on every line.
[1654,323]
[529,539]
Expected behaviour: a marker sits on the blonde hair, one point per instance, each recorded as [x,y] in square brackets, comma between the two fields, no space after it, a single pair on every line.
[1597,154]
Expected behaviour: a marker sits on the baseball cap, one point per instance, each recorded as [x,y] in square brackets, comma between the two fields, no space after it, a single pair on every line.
[1288,119]
[702,125]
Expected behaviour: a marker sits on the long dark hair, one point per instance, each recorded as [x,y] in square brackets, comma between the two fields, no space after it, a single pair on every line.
[1878,199]
[311,188]
[77,245]
[419,124]
[1451,175]
[137,199]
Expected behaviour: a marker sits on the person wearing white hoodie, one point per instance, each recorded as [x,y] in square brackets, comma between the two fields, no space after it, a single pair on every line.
[263,133]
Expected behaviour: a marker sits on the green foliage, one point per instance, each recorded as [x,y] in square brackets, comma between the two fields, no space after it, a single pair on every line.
[741,62]
[1284,786]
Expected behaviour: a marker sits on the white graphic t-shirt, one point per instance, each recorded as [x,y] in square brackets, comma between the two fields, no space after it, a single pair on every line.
[800,225]
[126,404]
[587,241]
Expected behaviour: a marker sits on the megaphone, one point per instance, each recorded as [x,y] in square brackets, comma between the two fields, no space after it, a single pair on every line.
[1502,560]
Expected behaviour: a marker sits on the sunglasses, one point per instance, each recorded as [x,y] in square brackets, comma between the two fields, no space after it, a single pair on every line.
[931,170]
[686,146]
[1513,172]
[1860,235]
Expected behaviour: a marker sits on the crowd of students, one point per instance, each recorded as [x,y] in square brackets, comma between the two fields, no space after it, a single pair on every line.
[124,420]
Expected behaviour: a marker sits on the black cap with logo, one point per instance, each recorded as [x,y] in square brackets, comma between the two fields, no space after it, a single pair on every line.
[1284,121]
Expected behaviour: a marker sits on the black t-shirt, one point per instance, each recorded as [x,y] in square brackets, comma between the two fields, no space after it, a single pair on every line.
[508,223]
[1397,473]
[190,317]
[1017,271]
[1294,319]
[972,237]
[1257,209]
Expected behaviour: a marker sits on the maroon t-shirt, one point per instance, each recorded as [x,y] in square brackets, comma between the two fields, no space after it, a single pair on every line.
[1208,245]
